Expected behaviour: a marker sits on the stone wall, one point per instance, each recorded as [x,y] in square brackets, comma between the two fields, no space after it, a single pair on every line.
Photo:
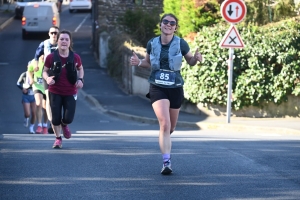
[134,79]
[108,12]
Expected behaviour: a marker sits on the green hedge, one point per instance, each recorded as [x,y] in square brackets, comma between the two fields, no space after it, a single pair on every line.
[266,70]
[191,18]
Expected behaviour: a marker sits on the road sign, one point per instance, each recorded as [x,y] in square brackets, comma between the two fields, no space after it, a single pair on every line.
[232,39]
[233,11]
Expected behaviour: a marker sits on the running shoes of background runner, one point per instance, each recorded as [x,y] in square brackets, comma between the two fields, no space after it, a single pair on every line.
[166,170]
[39,130]
[45,130]
[26,122]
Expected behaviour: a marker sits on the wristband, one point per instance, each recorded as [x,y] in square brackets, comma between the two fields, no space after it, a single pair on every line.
[80,79]
[140,63]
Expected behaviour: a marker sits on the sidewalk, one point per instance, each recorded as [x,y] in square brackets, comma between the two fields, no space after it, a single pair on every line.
[7,13]
[103,92]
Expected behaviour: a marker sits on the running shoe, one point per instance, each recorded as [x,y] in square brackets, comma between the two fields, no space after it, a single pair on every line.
[39,130]
[45,130]
[57,144]
[31,131]
[166,170]
[66,131]
[26,122]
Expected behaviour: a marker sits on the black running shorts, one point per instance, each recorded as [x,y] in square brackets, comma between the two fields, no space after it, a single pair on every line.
[40,92]
[174,95]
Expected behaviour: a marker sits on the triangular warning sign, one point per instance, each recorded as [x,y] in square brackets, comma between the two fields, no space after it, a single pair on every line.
[232,39]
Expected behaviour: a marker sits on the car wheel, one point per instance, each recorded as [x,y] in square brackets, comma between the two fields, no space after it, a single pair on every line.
[70,10]
[24,35]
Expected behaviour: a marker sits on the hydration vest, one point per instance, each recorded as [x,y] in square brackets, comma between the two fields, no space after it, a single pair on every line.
[175,56]
[56,67]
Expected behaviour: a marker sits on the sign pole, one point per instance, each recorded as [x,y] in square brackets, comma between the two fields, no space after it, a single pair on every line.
[233,11]
[229,89]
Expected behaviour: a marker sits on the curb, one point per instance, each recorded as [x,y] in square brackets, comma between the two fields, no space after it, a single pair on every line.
[3,25]
[201,125]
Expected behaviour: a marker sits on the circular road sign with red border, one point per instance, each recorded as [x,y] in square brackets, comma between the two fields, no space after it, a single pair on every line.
[233,11]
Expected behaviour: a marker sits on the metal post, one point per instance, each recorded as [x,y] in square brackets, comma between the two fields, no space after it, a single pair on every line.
[229,89]
[95,25]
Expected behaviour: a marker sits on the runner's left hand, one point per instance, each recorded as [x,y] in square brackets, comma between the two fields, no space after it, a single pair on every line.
[79,84]
[198,56]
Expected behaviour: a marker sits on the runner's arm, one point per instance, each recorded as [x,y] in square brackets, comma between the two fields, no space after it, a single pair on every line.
[39,51]
[21,80]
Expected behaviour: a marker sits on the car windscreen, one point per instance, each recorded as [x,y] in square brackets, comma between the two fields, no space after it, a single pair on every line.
[37,11]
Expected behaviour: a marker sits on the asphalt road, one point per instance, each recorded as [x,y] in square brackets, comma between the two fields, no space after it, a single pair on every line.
[111,158]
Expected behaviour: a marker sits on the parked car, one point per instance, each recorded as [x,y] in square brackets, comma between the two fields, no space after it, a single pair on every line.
[80,5]
[19,7]
[38,17]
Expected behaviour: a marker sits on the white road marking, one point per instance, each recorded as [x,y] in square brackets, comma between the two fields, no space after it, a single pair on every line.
[78,27]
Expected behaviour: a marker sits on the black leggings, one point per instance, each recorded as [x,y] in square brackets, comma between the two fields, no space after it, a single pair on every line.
[59,102]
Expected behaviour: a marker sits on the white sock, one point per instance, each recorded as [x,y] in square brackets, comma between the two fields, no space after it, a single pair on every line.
[39,124]
[45,125]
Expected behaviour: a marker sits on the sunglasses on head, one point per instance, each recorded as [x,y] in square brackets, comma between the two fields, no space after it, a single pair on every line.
[53,33]
[165,21]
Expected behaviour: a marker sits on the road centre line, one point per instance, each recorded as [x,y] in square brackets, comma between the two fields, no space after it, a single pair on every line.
[78,27]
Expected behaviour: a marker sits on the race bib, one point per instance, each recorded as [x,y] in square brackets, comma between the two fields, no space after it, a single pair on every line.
[165,77]
[39,80]
[30,92]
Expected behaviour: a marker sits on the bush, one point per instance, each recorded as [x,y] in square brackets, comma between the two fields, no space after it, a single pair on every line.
[140,24]
[192,17]
[266,70]
[262,12]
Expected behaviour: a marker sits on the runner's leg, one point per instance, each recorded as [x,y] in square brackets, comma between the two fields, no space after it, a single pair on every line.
[161,110]
[38,99]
